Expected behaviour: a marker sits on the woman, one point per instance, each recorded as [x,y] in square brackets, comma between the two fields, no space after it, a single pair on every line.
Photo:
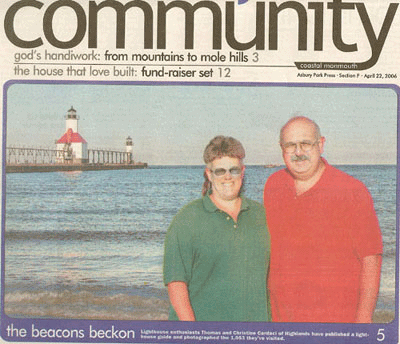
[217,247]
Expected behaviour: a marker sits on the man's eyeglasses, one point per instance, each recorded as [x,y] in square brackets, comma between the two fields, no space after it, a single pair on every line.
[291,147]
[233,171]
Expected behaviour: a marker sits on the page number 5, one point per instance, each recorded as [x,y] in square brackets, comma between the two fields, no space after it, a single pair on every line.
[380,337]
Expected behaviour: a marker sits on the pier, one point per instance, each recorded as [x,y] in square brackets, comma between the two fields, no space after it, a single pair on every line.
[23,160]
[70,154]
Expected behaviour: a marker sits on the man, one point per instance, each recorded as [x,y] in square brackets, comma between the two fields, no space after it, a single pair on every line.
[217,247]
[326,243]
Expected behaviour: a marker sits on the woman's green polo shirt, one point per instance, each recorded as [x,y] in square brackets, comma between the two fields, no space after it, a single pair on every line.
[224,263]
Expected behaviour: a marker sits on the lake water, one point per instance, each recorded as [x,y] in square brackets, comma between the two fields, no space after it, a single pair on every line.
[90,244]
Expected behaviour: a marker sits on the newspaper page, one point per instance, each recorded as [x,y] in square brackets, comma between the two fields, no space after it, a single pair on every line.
[108,106]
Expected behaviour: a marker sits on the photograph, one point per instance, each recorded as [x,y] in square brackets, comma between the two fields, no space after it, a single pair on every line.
[99,174]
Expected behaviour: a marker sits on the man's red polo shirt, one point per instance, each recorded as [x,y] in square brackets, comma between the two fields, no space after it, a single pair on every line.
[317,242]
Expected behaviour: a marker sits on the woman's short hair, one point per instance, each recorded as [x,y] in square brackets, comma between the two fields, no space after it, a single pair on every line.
[221,146]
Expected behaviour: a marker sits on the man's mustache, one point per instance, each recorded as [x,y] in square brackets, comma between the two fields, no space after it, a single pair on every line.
[299,158]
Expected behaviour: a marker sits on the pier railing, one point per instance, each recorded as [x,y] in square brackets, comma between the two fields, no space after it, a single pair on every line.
[17,156]
[98,156]
[38,156]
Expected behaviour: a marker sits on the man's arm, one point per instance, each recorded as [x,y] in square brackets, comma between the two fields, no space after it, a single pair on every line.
[369,288]
[179,298]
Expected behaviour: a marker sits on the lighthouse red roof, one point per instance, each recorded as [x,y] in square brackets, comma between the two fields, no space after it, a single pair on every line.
[71,137]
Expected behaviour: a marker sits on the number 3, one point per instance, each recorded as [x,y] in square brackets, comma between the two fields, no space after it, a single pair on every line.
[255,57]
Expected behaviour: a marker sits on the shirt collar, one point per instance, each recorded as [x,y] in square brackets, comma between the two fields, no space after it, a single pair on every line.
[291,180]
[211,207]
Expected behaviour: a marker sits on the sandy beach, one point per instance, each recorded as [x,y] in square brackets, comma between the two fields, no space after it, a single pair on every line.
[118,308]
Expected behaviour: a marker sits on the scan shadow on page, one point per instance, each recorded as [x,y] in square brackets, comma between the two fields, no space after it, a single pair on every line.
[199,171]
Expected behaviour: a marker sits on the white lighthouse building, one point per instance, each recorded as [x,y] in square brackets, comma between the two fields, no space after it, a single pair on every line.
[129,149]
[73,145]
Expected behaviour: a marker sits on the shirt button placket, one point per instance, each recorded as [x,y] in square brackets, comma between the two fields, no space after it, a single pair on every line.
[235,225]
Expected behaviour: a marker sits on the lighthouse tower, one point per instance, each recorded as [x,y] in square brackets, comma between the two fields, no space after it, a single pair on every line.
[71,120]
[129,149]
[72,144]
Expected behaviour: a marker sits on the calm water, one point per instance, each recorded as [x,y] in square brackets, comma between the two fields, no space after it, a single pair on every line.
[90,244]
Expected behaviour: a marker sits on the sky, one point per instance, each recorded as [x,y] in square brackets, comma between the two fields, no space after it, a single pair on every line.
[172,124]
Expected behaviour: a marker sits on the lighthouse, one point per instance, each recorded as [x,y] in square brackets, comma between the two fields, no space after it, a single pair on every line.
[72,144]
[129,150]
